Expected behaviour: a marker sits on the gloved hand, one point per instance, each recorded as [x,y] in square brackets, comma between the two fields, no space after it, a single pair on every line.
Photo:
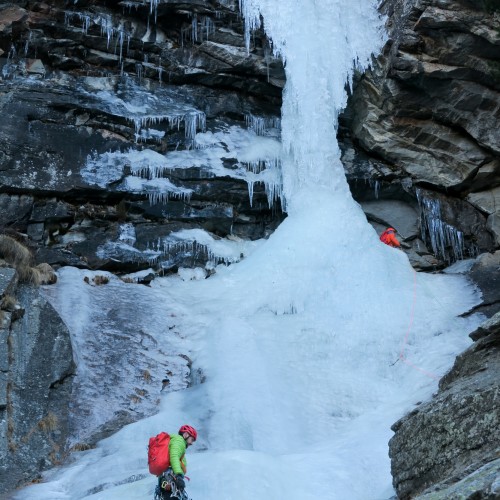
[179,481]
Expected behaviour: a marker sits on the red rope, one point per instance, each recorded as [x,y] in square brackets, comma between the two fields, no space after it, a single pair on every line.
[402,356]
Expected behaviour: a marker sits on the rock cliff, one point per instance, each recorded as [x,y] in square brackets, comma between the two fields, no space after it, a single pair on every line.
[449,447]
[124,147]
[429,112]
[430,109]
[36,369]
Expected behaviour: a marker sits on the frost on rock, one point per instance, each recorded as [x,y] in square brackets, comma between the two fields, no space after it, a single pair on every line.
[255,152]
[167,252]
[193,242]
[255,157]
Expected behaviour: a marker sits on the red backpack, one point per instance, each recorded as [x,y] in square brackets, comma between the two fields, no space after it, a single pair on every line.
[158,457]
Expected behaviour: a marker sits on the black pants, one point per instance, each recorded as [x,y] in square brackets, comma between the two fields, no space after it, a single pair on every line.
[163,489]
[161,493]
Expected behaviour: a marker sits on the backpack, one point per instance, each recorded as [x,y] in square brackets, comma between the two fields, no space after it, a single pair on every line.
[158,457]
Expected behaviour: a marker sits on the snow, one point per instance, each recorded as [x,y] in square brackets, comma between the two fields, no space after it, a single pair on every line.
[301,362]
[303,343]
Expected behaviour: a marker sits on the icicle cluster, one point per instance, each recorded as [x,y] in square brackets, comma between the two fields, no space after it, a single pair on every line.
[107,29]
[201,28]
[192,121]
[446,241]
[261,125]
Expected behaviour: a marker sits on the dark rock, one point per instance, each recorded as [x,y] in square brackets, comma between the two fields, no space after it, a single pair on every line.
[15,209]
[489,327]
[456,433]
[8,281]
[486,274]
[38,380]
[482,484]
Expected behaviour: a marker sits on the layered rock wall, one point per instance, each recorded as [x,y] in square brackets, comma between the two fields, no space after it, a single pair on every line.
[87,88]
[429,110]
[36,369]
[449,446]
[85,84]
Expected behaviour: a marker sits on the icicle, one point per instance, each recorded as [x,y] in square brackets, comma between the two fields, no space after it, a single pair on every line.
[153,7]
[105,22]
[120,41]
[194,28]
[262,125]
[26,46]
[269,173]
[9,67]
[160,70]
[442,236]
[138,72]
[193,121]
[375,184]
[267,58]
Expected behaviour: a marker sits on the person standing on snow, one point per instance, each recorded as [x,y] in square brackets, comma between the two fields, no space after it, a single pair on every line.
[389,238]
[175,473]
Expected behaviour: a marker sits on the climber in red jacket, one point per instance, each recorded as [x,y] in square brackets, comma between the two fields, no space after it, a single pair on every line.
[389,238]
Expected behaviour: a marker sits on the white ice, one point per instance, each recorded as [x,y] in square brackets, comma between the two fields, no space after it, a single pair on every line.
[244,147]
[300,342]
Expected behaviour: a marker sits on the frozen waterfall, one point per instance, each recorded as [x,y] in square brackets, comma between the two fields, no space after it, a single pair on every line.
[299,342]
[320,43]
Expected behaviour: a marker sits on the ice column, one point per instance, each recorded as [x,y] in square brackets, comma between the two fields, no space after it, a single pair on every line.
[320,44]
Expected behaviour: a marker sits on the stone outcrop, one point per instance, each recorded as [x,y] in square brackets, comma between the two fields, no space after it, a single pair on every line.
[36,368]
[86,89]
[83,85]
[95,95]
[485,273]
[429,110]
[449,446]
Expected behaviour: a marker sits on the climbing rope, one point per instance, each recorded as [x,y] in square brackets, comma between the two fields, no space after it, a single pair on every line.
[402,355]
[168,484]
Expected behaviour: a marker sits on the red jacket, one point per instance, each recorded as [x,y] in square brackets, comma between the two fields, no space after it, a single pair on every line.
[389,238]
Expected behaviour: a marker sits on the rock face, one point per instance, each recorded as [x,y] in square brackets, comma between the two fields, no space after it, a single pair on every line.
[429,110]
[101,105]
[125,131]
[450,446]
[36,368]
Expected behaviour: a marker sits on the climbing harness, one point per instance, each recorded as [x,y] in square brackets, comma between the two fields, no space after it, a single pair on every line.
[168,484]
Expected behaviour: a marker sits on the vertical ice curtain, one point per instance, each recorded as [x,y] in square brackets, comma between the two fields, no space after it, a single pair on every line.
[321,42]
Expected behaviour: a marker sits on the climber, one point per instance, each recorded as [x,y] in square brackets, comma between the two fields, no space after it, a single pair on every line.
[389,238]
[171,483]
